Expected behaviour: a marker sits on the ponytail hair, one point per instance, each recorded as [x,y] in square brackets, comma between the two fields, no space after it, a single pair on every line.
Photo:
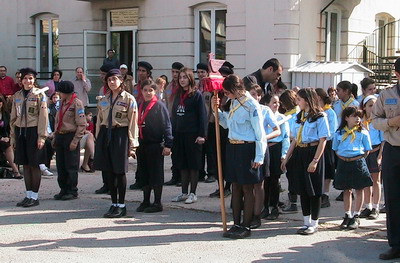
[323,95]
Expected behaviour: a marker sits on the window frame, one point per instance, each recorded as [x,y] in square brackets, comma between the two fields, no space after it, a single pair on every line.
[197,11]
[328,16]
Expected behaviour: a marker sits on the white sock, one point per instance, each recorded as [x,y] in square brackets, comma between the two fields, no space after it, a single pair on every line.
[114,204]
[42,167]
[121,205]
[376,206]
[29,194]
[326,193]
[348,213]
[307,221]
[35,196]
[368,206]
[314,223]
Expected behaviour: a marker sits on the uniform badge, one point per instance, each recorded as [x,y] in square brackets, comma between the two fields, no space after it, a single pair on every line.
[118,115]
[31,110]
[391,101]
[103,103]
[17,100]
[121,103]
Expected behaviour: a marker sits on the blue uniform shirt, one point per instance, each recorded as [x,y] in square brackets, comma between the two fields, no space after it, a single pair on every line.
[348,149]
[337,107]
[246,124]
[375,135]
[333,122]
[285,131]
[312,131]
[270,121]
[292,121]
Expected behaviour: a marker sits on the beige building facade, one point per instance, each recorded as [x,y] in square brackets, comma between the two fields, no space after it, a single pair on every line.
[65,34]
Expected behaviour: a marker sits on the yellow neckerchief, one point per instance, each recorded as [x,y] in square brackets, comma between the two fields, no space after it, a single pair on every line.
[348,102]
[293,111]
[299,138]
[327,107]
[233,109]
[350,132]
[366,123]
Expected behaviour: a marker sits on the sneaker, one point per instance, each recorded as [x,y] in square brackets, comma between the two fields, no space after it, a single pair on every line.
[365,213]
[256,222]
[142,207]
[214,194]
[325,201]
[31,202]
[180,198]
[354,222]
[264,213]
[374,214]
[135,186]
[301,230]
[310,230]
[231,230]
[21,203]
[346,222]
[273,215]
[154,208]
[242,232]
[192,198]
[47,173]
[340,197]
[210,179]
[291,209]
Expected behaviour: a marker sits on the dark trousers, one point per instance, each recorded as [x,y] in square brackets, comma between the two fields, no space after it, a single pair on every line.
[210,149]
[391,185]
[271,188]
[49,152]
[67,164]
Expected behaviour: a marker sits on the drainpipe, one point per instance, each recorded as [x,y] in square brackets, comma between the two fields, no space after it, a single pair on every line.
[320,23]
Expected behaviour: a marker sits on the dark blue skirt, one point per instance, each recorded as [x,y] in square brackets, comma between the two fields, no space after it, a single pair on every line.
[329,157]
[26,152]
[352,175]
[372,161]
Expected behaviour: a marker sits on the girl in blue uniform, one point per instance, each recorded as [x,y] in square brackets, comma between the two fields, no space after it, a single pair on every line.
[245,152]
[305,157]
[329,154]
[290,109]
[346,99]
[351,143]
[277,148]
[374,158]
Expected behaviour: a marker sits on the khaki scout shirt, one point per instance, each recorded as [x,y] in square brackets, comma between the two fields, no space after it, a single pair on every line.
[387,106]
[129,83]
[74,119]
[36,113]
[124,114]
[170,96]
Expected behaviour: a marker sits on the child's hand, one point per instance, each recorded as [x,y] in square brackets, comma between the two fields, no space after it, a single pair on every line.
[312,167]
[283,165]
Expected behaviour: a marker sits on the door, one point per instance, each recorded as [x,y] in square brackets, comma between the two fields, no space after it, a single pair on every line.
[122,43]
[95,46]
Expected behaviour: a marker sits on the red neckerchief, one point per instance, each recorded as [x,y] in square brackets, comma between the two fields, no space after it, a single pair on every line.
[142,116]
[183,97]
[174,89]
[61,112]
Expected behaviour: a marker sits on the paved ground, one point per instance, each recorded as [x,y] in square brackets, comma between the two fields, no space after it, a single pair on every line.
[74,231]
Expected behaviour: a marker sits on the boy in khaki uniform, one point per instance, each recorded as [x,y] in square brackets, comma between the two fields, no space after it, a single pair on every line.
[69,129]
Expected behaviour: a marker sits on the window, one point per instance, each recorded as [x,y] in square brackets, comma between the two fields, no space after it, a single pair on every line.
[210,34]
[332,35]
[47,44]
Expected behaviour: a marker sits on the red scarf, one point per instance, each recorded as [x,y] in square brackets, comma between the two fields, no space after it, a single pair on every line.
[62,112]
[183,97]
[142,116]
[174,89]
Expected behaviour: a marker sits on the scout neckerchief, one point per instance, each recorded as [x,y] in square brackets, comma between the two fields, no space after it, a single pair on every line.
[143,115]
[112,103]
[292,111]
[348,102]
[327,107]
[366,123]
[181,107]
[350,132]
[24,115]
[299,138]
[62,112]
[174,89]
[240,103]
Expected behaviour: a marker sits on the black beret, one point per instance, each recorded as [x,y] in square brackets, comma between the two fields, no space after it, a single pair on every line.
[106,68]
[145,65]
[112,72]
[66,87]
[177,65]
[202,66]
[228,64]
[225,70]
[26,71]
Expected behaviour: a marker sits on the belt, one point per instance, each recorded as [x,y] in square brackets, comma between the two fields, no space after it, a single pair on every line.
[351,158]
[270,144]
[304,145]
[239,142]
[64,132]
[375,149]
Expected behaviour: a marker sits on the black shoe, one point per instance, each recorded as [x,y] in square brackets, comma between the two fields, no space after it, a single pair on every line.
[256,222]
[31,203]
[118,212]
[291,209]
[309,231]
[264,213]
[210,179]
[346,222]
[154,208]
[24,201]
[101,190]
[214,194]
[179,184]
[110,211]
[390,254]
[354,222]
[365,213]
[172,182]
[273,215]
[68,197]
[231,230]
[301,230]
[242,232]
[142,207]
[374,214]
[383,210]
[281,204]
[340,197]
[58,196]
[135,186]
[325,201]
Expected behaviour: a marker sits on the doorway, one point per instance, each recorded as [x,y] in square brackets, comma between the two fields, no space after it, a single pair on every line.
[122,43]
